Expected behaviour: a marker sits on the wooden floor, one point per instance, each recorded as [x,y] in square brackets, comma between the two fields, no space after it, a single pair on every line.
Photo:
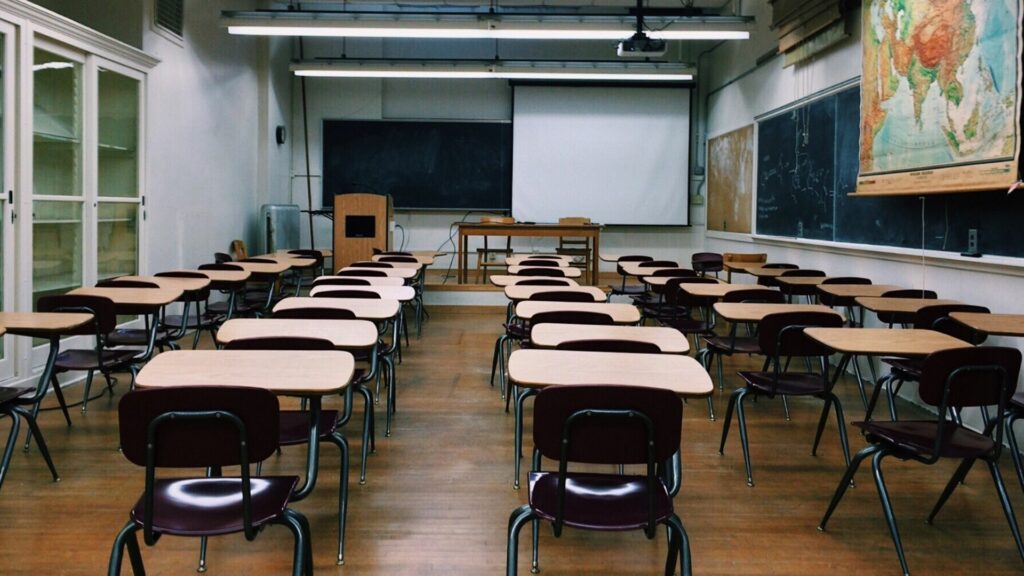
[439,494]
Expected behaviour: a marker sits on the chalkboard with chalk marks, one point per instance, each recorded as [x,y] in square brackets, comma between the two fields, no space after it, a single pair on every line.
[422,164]
[808,158]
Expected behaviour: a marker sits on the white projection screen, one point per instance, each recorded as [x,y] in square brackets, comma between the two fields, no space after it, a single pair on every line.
[614,155]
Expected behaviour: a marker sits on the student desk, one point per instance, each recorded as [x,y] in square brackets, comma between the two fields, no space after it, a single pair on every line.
[373,280]
[760,272]
[172,282]
[899,305]
[413,265]
[707,290]
[137,301]
[517,260]
[503,280]
[635,269]
[905,343]
[292,260]
[525,271]
[740,312]
[374,310]
[230,281]
[48,325]
[610,257]
[421,259]
[669,340]
[620,313]
[663,280]
[520,293]
[266,268]
[348,335]
[304,373]
[404,273]
[533,370]
[855,290]
[468,229]
[993,324]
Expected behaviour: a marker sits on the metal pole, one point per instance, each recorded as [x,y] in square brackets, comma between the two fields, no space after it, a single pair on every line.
[305,136]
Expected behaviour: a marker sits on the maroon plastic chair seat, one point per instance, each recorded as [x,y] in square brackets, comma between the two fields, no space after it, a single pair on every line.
[793,384]
[918,437]
[588,505]
[539,262]
[726,345]
[541,271]
[207,506]
[294,426]
[623,289]
[69,360]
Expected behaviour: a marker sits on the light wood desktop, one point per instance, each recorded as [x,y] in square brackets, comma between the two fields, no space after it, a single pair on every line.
[525,271]
[716,290]
[899,305]
[905,343]
[363,308]
[550,335]
[292,260]
[143,297]
[855,290]
[663,280]
[620,313]
[264,267]
[224,276]
[413,265]
[373,280]
[342,333]
[469,229]
[42,324]
[400,293]
[520,293]
[635,269]
[992,324]
[173,282]
[421,259]
[503,280]
[405,273]
[753,313]
[800,280]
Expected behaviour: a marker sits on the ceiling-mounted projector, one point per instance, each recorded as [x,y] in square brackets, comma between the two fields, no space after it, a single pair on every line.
[641,45]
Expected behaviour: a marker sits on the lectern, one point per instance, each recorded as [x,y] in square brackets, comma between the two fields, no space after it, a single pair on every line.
[362,222]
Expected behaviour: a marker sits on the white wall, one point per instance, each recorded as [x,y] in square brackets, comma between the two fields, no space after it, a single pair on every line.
[991,281]
[441,99]
[209,105]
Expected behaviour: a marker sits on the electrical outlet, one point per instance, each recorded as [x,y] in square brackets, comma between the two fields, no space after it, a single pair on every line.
[972,240]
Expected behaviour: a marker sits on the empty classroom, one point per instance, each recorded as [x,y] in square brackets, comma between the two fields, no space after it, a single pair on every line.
[522,286]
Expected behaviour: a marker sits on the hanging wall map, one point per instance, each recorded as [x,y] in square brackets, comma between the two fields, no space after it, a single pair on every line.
[940,96]
[731,180]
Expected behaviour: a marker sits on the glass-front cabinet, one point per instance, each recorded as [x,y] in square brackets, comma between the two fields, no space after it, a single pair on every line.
[72,155]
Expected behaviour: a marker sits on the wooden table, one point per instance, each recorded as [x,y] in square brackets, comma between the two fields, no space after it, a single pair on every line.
[899,305]
[550,335]
[532,370]
[620,313]
[306,373]
[503,280]
[902,342]
[405,273]
[517,259]
[400,293]
[344,334]
[468,229]
[520,293]
[525,271]
[754,312]
[373,280]
[421,259]
[720,290]
[993,324]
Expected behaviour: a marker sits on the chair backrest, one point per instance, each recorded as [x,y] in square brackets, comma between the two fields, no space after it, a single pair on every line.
[804,273]
[372,264]
[675,296]
[406,259]
[781,265]
[221,266]
[544,282]
[116,283]
[539,262]
[366,273]
[674,272]
[936,317]
[196,296]
[540,271]
[368,294]
[259,260]
[707,262]
[102,309]
[846,280]
[781,334]
[183,443]
[280,343]
[545,257]
[609,345]
[911,293]
[316,314]
[572,317]
[341,282]
[221,257]
[658,264]
[391,253]
[755,295]
[630,258]
[563,296]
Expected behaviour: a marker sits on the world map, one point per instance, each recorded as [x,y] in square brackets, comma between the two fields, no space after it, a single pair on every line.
[940,84]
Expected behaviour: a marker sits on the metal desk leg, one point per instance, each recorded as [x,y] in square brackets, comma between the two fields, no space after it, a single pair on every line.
[44,380]
[313,456]
[518,447]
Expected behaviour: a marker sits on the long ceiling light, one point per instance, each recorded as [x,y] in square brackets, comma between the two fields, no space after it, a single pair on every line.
[508,70]
[471,26]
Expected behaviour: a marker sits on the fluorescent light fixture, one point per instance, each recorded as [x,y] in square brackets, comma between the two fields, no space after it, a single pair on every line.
[505,70]
[397,25]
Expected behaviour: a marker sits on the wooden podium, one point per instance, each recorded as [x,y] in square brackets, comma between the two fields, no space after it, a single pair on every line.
[361,223]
